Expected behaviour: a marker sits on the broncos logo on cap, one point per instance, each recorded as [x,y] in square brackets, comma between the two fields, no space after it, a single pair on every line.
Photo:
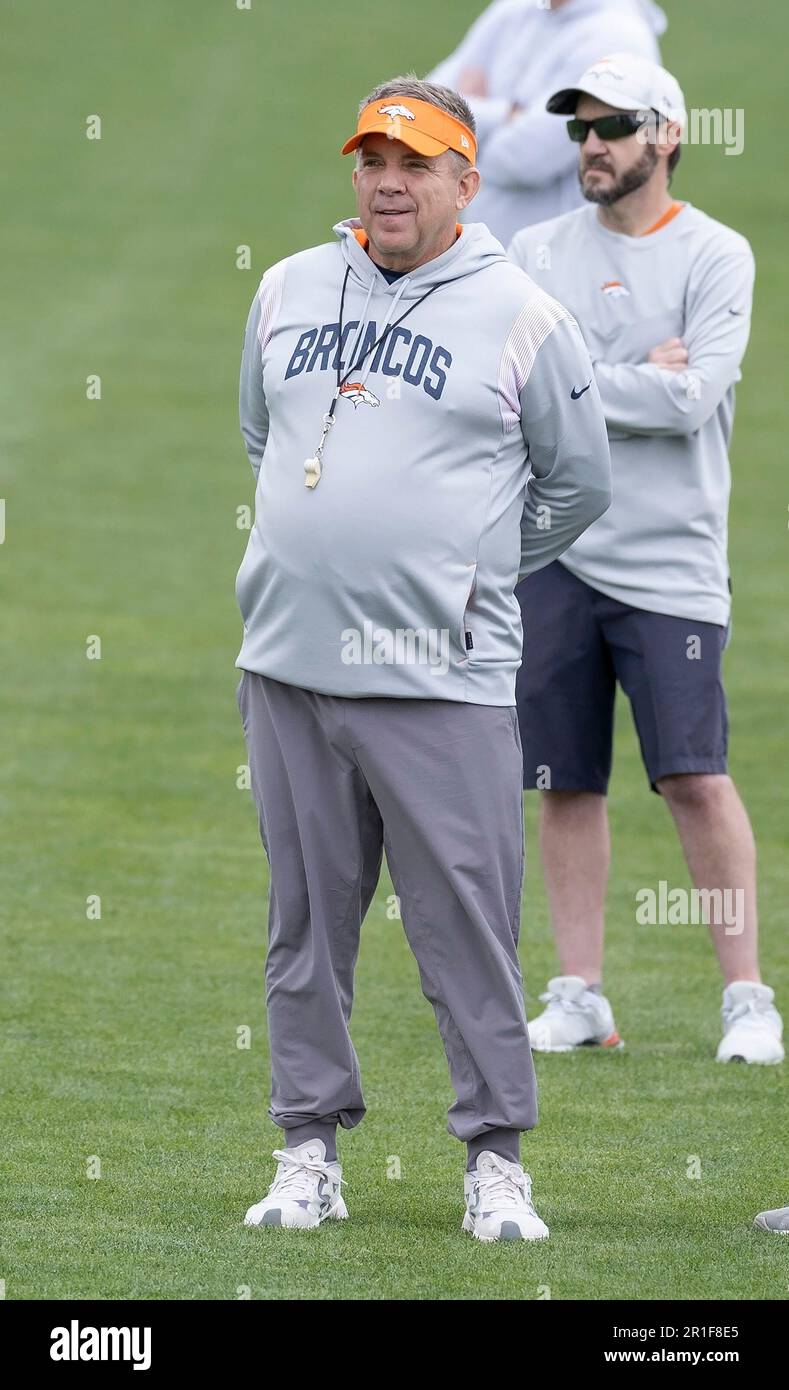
[355,392]
[394,111]
[604,73]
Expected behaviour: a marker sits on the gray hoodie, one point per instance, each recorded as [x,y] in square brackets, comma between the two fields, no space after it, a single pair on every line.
[662,545]
[468,449]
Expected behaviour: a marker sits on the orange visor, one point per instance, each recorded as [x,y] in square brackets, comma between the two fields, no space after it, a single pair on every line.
[420,125]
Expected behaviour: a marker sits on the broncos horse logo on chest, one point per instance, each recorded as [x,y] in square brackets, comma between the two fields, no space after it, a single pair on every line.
[355,392]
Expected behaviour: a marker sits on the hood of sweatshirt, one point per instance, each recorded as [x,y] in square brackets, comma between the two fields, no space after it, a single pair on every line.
[474,249]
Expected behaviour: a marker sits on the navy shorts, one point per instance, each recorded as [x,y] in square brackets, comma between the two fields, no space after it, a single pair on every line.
[578,643]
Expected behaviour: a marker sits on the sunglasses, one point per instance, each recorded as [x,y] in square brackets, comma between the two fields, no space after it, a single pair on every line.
[615,127]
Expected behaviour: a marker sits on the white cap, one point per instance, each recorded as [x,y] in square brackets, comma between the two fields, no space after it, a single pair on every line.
[628,82]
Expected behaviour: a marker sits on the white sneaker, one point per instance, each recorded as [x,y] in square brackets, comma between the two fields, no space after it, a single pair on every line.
[777,1221]
[752,1027]
[305,1191]
[498,1202]
[575,1017]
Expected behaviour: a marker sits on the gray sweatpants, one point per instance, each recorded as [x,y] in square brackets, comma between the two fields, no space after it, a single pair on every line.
[437,784]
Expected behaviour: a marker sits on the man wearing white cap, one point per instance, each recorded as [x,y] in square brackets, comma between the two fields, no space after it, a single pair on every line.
[662,293]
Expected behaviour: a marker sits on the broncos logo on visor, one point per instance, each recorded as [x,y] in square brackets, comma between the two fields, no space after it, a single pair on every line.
[394,111]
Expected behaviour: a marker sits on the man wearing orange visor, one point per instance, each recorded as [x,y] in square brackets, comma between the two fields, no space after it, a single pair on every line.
[409,214]
[424,428]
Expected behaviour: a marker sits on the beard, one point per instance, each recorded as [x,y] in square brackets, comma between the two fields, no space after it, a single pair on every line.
[632,179]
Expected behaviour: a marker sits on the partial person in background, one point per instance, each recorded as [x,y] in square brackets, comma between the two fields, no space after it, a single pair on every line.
[662,294]
[512,59]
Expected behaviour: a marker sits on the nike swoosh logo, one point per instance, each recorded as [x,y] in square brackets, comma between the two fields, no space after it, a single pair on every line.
[737,313]
[575,394]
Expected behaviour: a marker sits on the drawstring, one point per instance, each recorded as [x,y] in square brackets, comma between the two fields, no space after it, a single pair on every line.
[359,332]
[393,305]
[313,466]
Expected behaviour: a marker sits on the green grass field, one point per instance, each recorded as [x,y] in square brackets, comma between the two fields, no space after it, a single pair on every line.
[220,128]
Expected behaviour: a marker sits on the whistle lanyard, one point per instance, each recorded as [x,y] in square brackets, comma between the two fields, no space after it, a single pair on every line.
[313,466]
